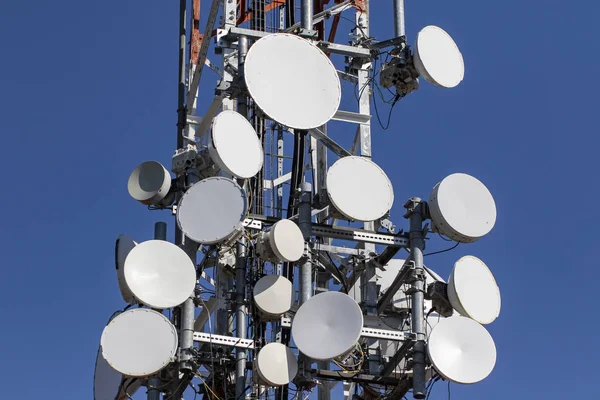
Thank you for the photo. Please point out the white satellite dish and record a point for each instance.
(327, 326)
(149, 183)
(123, 246)
(359, 189)
(461, 350)
(110, 384)
(273, 296)
(160, 274)
(276, 364)
(283, 242)
(309, 98)
(462, 208)
(212, 210)
(437, 58)
(234, 145)
(139, 342)
(472, 290)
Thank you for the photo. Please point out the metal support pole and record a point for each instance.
(305, 223)
(307, 15)
(417, 244)
(399, 28)
(187, 318)
(240, 317)
(160, 233)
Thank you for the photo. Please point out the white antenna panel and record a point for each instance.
(303, 91)
(359, 189)
(462, 208)
(160, 274)
(273, 295)
(461, 350)
(472, 290)
(234, 145)
(276, 364)
(327, 326)
(139, 342)
(212, 210)
(123, 246)
(283, 242)
(437, 57)
(149, 182)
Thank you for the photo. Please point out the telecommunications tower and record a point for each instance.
(264, 293)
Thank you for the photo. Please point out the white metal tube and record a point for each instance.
(399, 27)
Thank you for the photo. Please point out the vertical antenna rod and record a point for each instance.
(307, 15)
(417, 244)
(399, 28)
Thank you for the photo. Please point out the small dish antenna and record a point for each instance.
(149, 183)
(273, 296)
(123, 246)
(160, 274)
(234, 145)
(437, 57)
(307, 100)
(359, 189)
(462, 208)
(472, 290)
(461, 350)
(213, 210)
(283, 242)
(139, 342)
(327, 326)
(276, 364)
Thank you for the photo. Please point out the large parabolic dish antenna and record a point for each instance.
(160, 274)
(328, 325)
(212, 210)
(461, 350)
(472, 290)
(234, 145)
(276, 364)
(437, 57)
(139, 342)
(462, 208)
(303, 91)
(359, 189)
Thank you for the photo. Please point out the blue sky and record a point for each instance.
(88, 90)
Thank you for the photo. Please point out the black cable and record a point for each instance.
(442, 251)
(339, 274)
(448, 390)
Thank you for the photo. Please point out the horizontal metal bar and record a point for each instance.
(252, 223)
(325, 46)
(223, 340)
(339, 249)
(328, 142)
(235, 32)
(348, 116)
(356, 377)
(347, 77)
(358, 235)
(278, 181)
(385, 334)
(344, 49)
